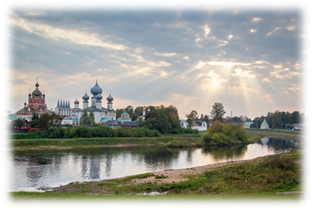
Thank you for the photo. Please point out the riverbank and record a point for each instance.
(282, 134)
(263, 177)
(165, 140)
(73, 143)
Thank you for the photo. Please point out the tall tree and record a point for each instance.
(84, 119)
(217, 112)
(269, 119)
(134, 117)
(276, 119)
(190, 118)
(19, 123)
(295, 117)
(138, 110)
(91, 118)
(206, 118)
(44, 121)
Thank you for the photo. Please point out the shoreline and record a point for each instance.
(167, 176)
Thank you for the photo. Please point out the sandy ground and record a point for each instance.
(179, 175)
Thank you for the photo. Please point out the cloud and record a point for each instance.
(166, 54)
(212, 79)
(243, 73)
(252, 30)
(273, 31)
(224, 64)
(57, 34)
(207, 30)
(256, 19)
(267, 80)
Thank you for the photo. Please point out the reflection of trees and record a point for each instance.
(221, 153)
(189, 155)
(95, 169)
(282, 145)
(84, 165)
(108, 165)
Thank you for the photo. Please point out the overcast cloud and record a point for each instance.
(248, 60)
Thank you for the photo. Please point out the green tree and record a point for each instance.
(276, 119)
(119, 111)
(269, 119)
(84, 119)
(138, 110)
(217, 112)
(190, 118)
(19, 123)
(163, 119)
(295, 117)
(134, 117)
(55, 119)
(91, 118)
(44, 121)
(206, 118)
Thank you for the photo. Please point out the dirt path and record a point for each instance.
(179, 175)
(275, 134)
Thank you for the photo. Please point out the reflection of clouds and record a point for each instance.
(40, 169)
(225, 153)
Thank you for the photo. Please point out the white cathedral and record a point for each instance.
(101, 115)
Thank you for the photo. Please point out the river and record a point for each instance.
(36, 169)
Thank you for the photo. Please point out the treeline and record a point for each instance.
(279, 119)
(160, 118)
(219, 134)
(165, 120)
(86, 132)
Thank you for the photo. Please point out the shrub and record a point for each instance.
(206, 137)
(278, 162)
(82, 131)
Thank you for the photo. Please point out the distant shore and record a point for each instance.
(164, 140)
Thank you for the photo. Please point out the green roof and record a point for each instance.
(11, 117)
(125, 113)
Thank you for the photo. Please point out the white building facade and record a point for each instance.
(100, 113)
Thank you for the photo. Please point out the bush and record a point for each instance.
(54, 132)
(206, 137)
(278, 162)
(82, 131)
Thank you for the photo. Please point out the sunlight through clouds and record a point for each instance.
(162, 57)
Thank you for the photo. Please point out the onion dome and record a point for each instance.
(99, 97)
(96, 89)
(109, 98)
(76, 102)
(37, 92)
(85, 97)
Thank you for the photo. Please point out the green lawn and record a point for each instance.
(45, 197)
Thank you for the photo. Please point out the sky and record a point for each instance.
(248, 59)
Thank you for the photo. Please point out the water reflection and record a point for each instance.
(221, 154)
(54, 168)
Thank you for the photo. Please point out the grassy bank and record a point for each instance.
(276, 131)
(170, 141)
(258, 178)
(77, 197)
(183, 140)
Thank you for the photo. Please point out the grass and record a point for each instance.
(260, 178)
(277, 131)
(76, 197)
(171, 141)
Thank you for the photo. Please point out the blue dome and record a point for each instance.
(85, 97)
(76, 102)
(109, 98)
(99, 97)
(96, 89)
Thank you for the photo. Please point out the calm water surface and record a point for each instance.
(32, 170)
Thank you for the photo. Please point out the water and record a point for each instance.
(32, 170)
